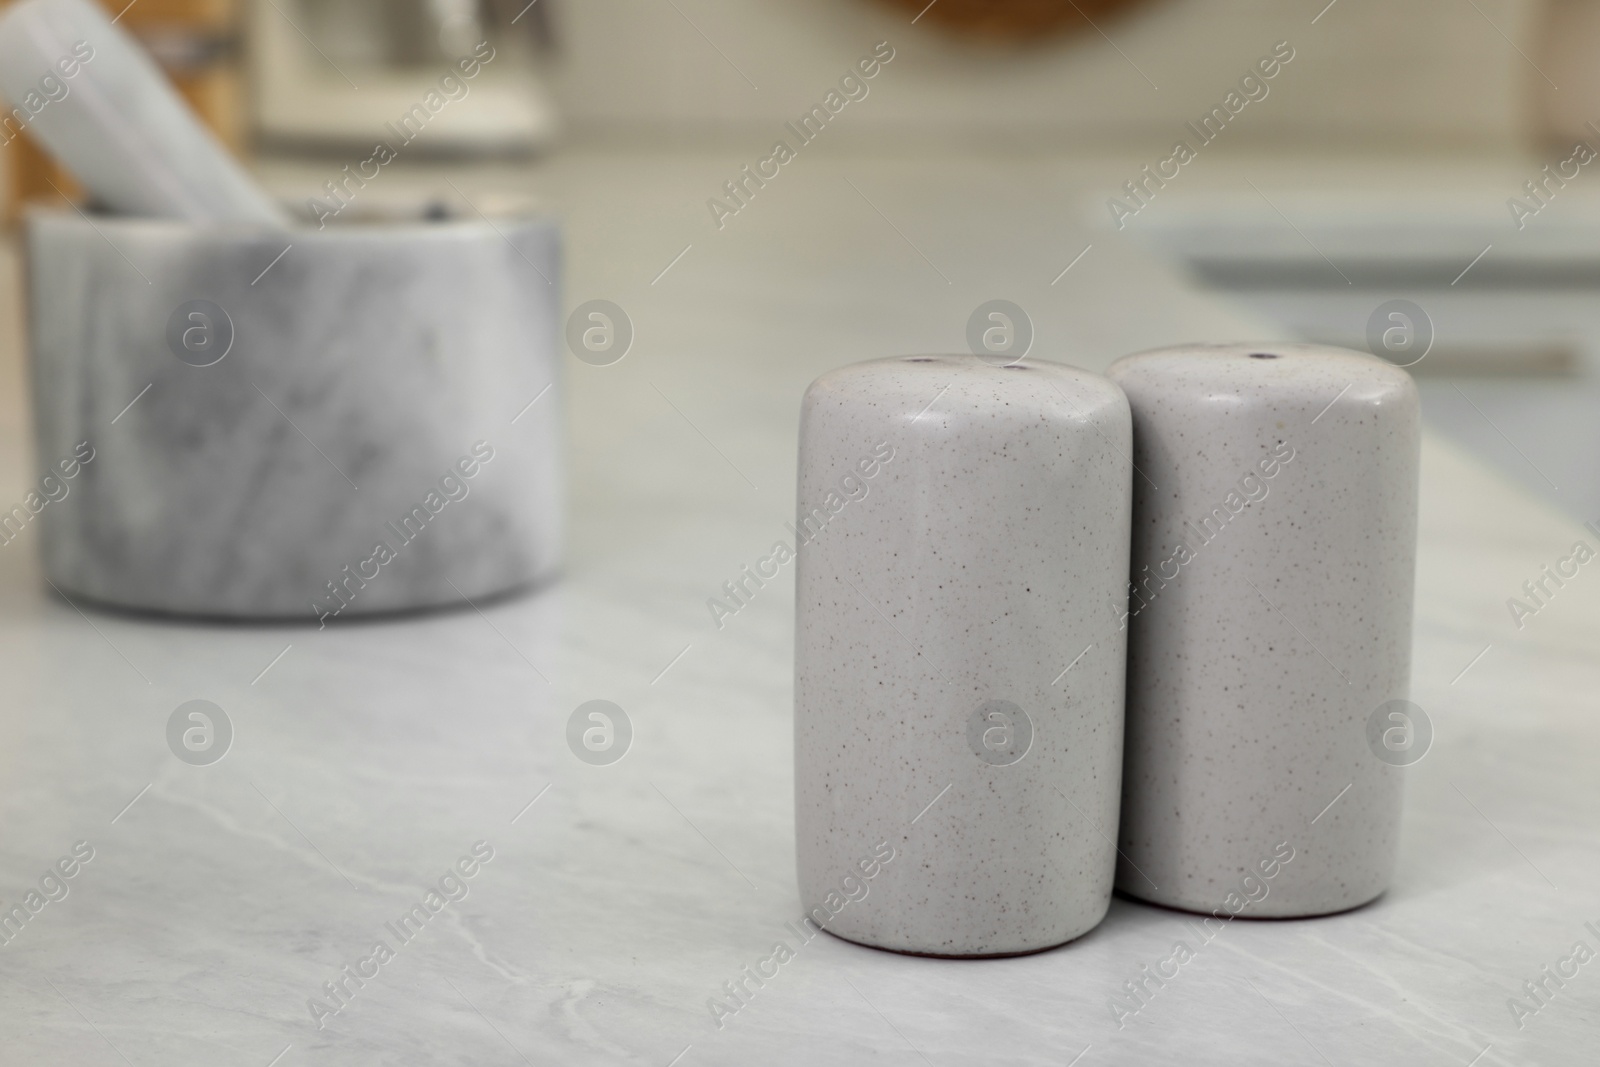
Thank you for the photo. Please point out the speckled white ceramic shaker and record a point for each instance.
(1275, 527)
(962, 528)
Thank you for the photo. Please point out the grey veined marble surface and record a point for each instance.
(620, 909)
(310, 424)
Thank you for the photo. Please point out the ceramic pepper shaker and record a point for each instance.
(1269, 617)
(958, 743)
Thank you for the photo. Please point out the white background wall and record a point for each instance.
(1394, 73)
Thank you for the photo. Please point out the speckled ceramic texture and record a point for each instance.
(973, 565)
(366, 363)
(1258, 649)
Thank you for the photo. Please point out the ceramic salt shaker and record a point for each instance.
(958, 688)
(1269, 620)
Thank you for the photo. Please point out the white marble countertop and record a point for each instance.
(370, 756)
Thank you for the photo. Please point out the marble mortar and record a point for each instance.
(266, 408)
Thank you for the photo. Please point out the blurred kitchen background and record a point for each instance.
(1384, 164)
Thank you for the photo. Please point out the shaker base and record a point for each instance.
(1251, 914)
(960, 956)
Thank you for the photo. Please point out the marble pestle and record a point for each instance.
(101, 106)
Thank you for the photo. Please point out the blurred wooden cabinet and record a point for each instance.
(197, 43)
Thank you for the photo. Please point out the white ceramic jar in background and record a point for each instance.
(962, 540)
(1275, 525)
